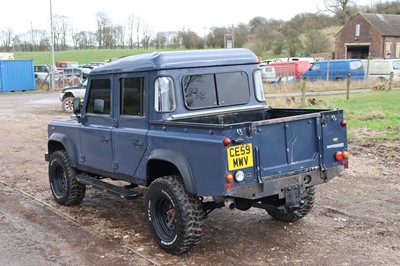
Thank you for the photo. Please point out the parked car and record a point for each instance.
(335, 70)
(42, 72)
(66, 64)
(380, 69)
(290, 70)
(72, 72)
(68, 94)
(268, 74)
(95, 64)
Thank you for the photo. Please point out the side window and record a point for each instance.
(99, 98)
(164, 95)
(356, 65)
(132, 97)
(315, 67)
(258, 86)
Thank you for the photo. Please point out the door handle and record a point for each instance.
(105, 139)
(138, 143)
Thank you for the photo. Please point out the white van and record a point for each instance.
(380, 69)
(268, 74)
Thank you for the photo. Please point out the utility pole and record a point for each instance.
(205, 34)
(233, 36)
(52, 48)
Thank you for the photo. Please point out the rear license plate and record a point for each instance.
(240, 156)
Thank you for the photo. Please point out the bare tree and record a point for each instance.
(6, 36)
(241, 33)
(146, 35)
(160, 40)
(138, 22)
(103, 27)
(264, 37)
(191, 40)
(342, 9)
(61, 26)
(316, 42)
(131, 30)
(119, 35)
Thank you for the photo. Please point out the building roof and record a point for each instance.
(385, 24)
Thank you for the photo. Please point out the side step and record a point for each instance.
(107, 187)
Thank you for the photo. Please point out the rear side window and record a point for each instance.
(211, 90)
(99, 98)
(356, 65)
(258, 86)
(132, 97)
(164, 95)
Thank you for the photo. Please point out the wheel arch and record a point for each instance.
(68, 95)
(58, 141)
(163, 162)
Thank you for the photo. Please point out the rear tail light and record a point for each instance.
(340, 155)
(227, 141)
(343, 123)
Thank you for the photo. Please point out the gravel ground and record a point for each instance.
(355, 220)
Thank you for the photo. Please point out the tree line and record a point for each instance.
(302, 35)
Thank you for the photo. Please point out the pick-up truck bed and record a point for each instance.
(270, 115)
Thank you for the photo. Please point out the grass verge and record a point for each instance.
(370, 115)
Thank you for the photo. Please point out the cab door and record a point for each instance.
(130, 132)
(96, 141)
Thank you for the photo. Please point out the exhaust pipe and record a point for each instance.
(230, 203)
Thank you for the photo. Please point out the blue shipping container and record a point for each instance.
(16, 75)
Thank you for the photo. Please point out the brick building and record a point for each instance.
(374, 35)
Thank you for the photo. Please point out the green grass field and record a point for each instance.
(378, 111)
(80, 56)
(369, 115)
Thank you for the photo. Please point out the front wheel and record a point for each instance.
(65, 188)
(68, 104)
(174, 216)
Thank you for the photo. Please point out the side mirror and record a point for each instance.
(77, 106)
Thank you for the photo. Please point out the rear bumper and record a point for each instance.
(277, 186)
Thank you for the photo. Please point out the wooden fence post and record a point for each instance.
(391, 80)
(348, 86)
(303, 93)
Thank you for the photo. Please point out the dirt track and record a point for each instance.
(355, 220)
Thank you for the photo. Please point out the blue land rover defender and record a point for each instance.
(193, 127)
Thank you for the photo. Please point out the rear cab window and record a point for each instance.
(214, 90)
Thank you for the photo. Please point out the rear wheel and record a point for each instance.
(293, 215)
(65, 188)
(174, 216)
(68, 105)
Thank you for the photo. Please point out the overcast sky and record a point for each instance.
(160, 15)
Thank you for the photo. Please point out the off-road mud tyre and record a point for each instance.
(65, 188)
(68, 105)
(174, 216)
(308, 195)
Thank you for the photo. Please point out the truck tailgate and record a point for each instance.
(285, 145)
